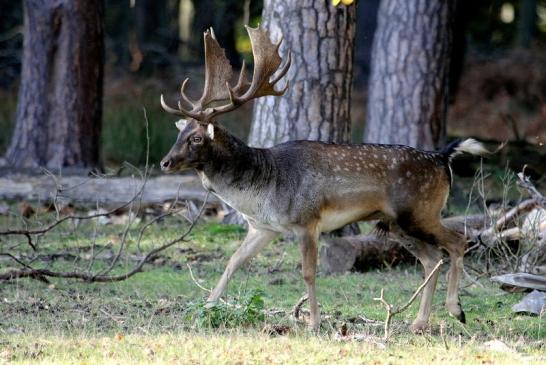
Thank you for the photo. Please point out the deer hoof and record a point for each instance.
(210, 304)
(460, 316)
(419, 327)
(456, 311)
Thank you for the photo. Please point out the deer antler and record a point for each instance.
(218, 71)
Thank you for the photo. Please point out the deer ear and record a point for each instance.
(181, 124)
(210, 130)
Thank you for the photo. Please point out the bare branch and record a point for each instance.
(523, 207)
(195, 280)
(526, 183)
(102, 276)
(392, 310)
(87, 277)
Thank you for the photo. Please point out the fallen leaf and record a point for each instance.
(26, 210)
(148, 352)
(276, 330)
(496, 345)
(119, 336)
(343, 329)
(6, 354)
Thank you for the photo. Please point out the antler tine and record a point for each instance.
(266, 62)
(183, 94)
(180, 111)
(242, 82)
(283, 72)
(217, 71)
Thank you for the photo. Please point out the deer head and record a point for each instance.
(197, 129)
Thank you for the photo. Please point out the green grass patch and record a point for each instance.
(160, 316)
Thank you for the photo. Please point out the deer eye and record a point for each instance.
(196, 139)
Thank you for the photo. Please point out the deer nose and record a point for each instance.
(166, 163)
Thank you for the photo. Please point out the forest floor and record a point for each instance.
(158, 316)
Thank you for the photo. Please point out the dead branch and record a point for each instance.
(296, 310)
(195, 280)
(392, 310)
(103, 276)
(526, 184)
(29, 272)
(523, 207)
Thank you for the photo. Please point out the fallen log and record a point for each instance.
(360, 253)
(103, 190)
(367, 252)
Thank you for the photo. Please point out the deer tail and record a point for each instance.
(459, 147)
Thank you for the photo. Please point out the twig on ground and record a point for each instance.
(195, 280)
(87, 277)
(104, 275)
(443, 336)
(277, 266)
(392, 310)
(296, 310)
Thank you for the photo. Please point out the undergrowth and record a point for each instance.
(246, 310)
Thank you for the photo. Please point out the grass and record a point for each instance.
(153, 317)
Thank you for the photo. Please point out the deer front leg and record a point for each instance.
(254, 242)
(309, 251)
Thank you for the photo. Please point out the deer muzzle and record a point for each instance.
(166, 163)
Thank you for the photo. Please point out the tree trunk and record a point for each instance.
(59, 107)
(316, 105)
(526, 22)
(154, 34)
(223, 18)
(408, 89)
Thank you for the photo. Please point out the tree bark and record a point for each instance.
(316, 105)
(526, 22)
(153, 34)
(408, 89)
(59, 107)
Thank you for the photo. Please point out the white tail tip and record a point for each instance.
(471, 146)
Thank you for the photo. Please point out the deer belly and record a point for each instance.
(331, 219)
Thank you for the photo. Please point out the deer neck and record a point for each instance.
(233, 167)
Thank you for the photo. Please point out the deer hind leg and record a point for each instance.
(455, 245)
(429, 256)
(309, 251)
(253, 243)
(422, 245)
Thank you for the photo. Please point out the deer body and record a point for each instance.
(331, 185)
(304, 188)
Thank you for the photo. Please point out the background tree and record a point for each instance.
(223, 19)
(153, 34)
(527, 22)
(316, 106)
(59, 107)
(408, 87)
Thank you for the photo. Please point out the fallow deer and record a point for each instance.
(303, 188)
